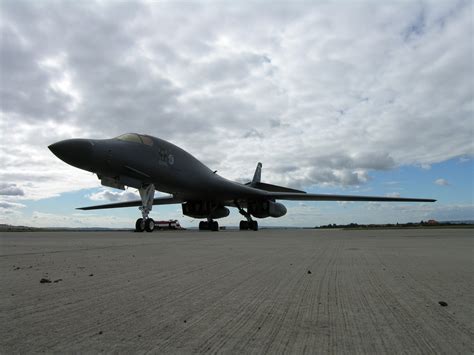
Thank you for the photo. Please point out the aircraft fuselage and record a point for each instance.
(148, 163)
(169, 168)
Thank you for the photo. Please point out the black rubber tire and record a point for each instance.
(214, 226)
(203, 226)
(244, 225)
(254, 225)
(139, 225)
(149, 225)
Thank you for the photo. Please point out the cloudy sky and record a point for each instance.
(359, 97)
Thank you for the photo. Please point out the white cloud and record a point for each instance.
(10, 205)
(41, 219)
(10, 190)
(321, 93)
(10, 212)
(441, 182)
(114, 196)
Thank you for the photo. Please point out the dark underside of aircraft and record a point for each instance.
(148, 163)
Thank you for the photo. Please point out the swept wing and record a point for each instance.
(165, 200)
(291, 196)
(326, 197)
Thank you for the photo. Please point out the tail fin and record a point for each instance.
(258, 174)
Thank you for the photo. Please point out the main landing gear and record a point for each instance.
(249, 223)
(209, 225)
(147, 194)
(246, 225)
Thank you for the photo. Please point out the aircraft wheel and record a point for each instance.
(254, 225)
(139, 225)
(149, 225)
(244, 225)
(203, 225)
(214, 226)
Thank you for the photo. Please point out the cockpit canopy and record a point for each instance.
(137, 138)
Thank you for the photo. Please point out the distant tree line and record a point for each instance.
(428, 223)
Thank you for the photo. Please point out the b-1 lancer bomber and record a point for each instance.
(148, 163)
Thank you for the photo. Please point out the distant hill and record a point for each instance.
(10, 228)
(467, 221)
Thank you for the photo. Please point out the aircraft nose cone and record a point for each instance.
(77, 152)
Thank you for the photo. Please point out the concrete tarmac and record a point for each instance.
(271, 291)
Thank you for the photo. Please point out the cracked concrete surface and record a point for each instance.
(271, 291)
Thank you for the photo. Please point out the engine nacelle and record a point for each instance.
(204, 209)
(263, 209)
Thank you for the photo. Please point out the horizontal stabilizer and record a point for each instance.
(274, 188)
(257, 184)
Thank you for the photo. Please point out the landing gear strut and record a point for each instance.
(147, 194)
(209, 225)
(249, 223)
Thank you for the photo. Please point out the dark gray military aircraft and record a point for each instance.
(148, 164)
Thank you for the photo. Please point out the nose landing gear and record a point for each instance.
(147, 194)
(147, 224)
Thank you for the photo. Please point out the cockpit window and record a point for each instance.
(132, 137)
(147, 140)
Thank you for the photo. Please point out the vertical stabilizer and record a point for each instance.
(258, 174)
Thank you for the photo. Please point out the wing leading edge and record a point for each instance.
(165, 200)
(325, 197)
